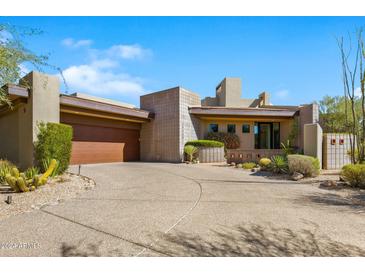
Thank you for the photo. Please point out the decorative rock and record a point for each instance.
(233, 164)
(255, 169)
(328, 183)
(297, 176)
(239, 166)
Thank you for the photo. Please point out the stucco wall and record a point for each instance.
(20, 124)
(308, 114)
(9, 131)
(313, 137)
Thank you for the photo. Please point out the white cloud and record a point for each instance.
(128, 51)
(284, 93)
(101, 75)
(99, 80)
(71, 43)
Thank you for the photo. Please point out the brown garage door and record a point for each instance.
(96, 144)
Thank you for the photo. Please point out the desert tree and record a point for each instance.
(14, 55)
(352, 70)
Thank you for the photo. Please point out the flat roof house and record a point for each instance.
(110, 131)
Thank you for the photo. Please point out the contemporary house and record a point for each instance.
(110, 131)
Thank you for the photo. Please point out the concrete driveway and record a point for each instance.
(159, 209)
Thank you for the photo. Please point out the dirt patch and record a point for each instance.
(61, 188)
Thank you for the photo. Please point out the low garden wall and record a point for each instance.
(246, 155)
(211, 154)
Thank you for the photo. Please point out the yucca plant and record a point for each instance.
(190, 151)
(279, 164)
(287, 148)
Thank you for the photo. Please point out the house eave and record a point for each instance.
(67, 101)
(242, 112)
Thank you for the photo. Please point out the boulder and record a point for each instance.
(296, 176)
(328, 183)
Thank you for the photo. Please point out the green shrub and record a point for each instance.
(5, 168)
(354, 175)
(230, 140)
(204, 143)
(264, 162)
(54, 142)
(279, 164)
(190, 151)
(306, 165)
(249, 165)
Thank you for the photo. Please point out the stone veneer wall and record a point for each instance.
(189, 124)
(164, 137)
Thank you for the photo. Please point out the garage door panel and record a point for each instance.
(96, 152)
(95, 144)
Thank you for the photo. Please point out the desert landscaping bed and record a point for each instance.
(61, 188)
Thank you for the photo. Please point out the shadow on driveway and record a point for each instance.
(242, 240)
(352, 201)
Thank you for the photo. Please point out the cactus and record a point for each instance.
(49, 171)
(15, 172)
(21, 184)
(11, 180)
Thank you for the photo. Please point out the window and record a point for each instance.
(276, 135)
(213, 128)
(267, 135)
(231, 128)
(245, 128)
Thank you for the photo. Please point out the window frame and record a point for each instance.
(234, 128)
(274, 142)
(210, 129)
(249, 128)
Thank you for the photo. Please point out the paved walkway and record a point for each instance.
(158, 209)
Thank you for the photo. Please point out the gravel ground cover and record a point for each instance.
(56, 190)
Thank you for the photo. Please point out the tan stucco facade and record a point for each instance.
(21, 123)
(229, 92)
(247, 140)
(167, 119)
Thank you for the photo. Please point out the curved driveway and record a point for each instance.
(159, 209)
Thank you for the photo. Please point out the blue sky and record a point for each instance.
(296, 59)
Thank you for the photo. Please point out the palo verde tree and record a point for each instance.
(14, 54)
(353, 75)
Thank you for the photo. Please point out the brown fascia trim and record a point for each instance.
(73, 101)
(242, 111)
(16, 91)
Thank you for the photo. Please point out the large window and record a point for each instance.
(231, 128)
(213, 128)
(267, 135)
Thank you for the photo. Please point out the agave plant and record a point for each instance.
(279, 164)
(190, 151)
